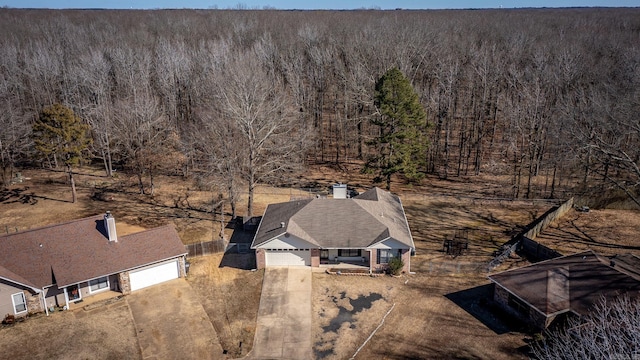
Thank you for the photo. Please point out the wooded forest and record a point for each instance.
(549, 98)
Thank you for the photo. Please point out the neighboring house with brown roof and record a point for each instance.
(367, 230)
(64, 263)
(571, 284)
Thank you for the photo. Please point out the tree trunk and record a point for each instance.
(553, 182)
(109, 162)
(73, 184)
(252, 186)
(151, 182)
(140, 183)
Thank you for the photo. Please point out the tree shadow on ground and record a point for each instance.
(240, 255)
(20, 195)
(243, 234)
(478, 302)
(233, 259)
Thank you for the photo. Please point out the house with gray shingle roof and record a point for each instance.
(366, 230)
(56, 265)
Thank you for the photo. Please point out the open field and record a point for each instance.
(440, 312)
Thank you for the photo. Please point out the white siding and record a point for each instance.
(6, 304)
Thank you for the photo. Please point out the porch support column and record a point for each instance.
(66, 298)
(372, 259)
(44, 301)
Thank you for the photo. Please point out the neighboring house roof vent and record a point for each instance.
(281, 224)
(110, 226)
(340, 191)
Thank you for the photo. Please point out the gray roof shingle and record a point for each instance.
(338, 223)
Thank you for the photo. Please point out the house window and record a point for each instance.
(98, 284)
(384, 255)
(518, 304)
(19, 303)
(349, 252)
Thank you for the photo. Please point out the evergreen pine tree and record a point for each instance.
(401, 144)
(60, 133)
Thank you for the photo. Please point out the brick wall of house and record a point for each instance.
(406, 258)
(260, 259)
(373, 259)
(405, 255)
(501, 296)
(315, 257)
(373, 262)
(539, 320)
(532, 317)
(125, 283)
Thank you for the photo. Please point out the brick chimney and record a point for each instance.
(110, 226)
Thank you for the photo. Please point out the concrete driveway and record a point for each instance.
(172, 324)
(283, 328)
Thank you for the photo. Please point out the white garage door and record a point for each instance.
(288, 258)
(153, 275)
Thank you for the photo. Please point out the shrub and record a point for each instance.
(396, 265)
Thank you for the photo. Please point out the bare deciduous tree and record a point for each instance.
(259, 107)
(146, 137)
(611, 331)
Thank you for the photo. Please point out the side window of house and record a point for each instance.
(384, 255)
(19, 303)
(99, 284)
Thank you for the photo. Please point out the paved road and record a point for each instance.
(283, 329)
(172, 324)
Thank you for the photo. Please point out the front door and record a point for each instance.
(74, 292)
(324, 255)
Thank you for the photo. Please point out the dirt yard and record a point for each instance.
(106, 332)
(431, 317)
(607, 232)
(230, 294)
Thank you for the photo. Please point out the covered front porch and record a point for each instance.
(79, 295)
(95, 299)
(345, 258)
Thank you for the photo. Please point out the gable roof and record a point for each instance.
(573, 282)
(79, 250)
(358, 222)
